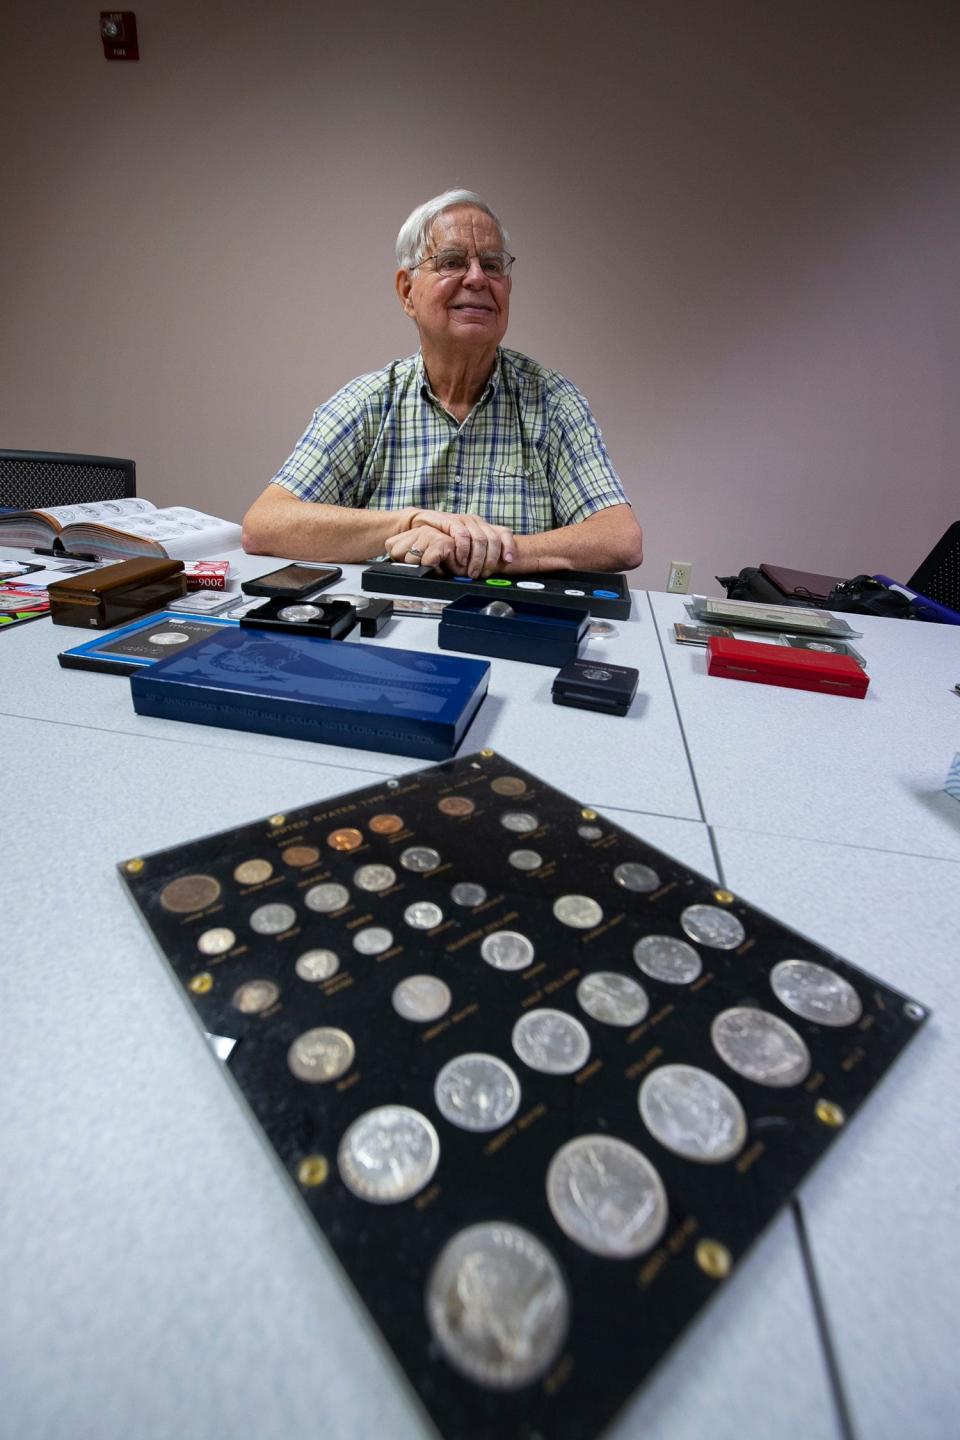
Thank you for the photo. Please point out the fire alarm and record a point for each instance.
(118, 31)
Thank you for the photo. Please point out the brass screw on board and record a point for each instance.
(588, 815)
(829, 1113)
(723, 897)
(487, 754)
(202, 984)
(133, 867)
(277, 820)
(313, 1170)
(714, 1259)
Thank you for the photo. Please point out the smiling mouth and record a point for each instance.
(487, 309)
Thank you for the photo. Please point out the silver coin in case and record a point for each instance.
(507, 950)
(421, 998)
(316, 965)
(814, 992)
(760, 1046)
(580, 912)
(321, 1055)
(273, 919)
(551, 1041)
(388, 1154)
(612, 998)
(327, 897)
(607, 1197)
(709, 925)
(692, 1113)
(477, 1092)
(664, 957)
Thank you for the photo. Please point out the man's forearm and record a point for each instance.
(279, 524)
(609, 540)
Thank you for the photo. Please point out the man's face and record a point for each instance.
(469, 310)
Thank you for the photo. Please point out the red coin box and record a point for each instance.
(783, 665)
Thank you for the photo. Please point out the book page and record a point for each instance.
(183, 533)
(104, 512)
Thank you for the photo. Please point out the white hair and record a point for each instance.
(415, 231)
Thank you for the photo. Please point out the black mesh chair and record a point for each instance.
(939, 575)
(37, 479)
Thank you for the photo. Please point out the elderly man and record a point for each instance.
(466, 456)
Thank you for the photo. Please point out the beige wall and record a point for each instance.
(736, 222)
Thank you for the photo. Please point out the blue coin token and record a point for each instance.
(606, 594)
(462, 579)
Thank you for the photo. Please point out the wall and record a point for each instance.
(737, 230)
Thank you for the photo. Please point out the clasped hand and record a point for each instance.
(462, 544)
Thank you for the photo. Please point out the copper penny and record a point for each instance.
(344, 839)
(508, 785)
(300, 855)
(190, 892)
(385, 824)
(456, 805)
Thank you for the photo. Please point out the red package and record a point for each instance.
(782, 665)
(206, 574)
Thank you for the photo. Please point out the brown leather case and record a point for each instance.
(116, 593)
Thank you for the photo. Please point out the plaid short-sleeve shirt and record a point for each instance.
(529, 455)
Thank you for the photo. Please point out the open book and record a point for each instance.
(120, 528)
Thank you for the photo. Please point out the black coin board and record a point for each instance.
(600, 593)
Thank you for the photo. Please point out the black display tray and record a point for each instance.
(624, 1313)
(411, 580)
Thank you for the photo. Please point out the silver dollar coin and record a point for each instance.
(388, 1154)
(612, 998)
(314, 965)
(298, 613)
(521, 822)
(634, 876)
(525, 859)
(815, 992)
(466, 893)
(760, 1046)
(420, 858)
(423, 915)
(664, 957)
(709, 925)
(375, 878)
(580, 912)
(551, 1041)
(169, 637)
(607, 1197)
(693, 1113)
(497, 1305)
(507, 950)
(422, 998)
(272, 919)
(321, 1055)
(327, 898)
(477, 1092)
(373, 940)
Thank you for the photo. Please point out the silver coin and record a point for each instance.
(634, 876)
(760, 1046)
(420, 858)
(374, 878)
(612, 998)
(299, 613)
(525, 859)
(693, 1113)
(497, 1305)
(507, 950)
(327, 897)
(604, 628)
(255, 996)
(272, 919)
(580, 912)
(521, 822)
(815, 992)
(321, 1055)
(373, 940)
(709, 925)
(551, 1041)
(664, 957)
(216, 941)
(607, 1197)
(590, 832)
(388, 1154)
(423, 915)
(169, 637)
(477, 1092)
(467, 894)
(421, 998)
(316, 965)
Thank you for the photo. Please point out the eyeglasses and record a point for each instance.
(495, 264)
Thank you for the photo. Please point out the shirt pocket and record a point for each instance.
(516, 497)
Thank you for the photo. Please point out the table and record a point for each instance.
(159, 1277)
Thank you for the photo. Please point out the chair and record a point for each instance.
(938, 577)
(37, 479)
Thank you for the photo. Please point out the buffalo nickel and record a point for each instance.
(760, 1046)
(580, 912)
(693, 1113)
(521, 822)
(477, 1092)
(551, 1041)
(607, 1197)
(321, 1055)
(709, 925)
(273, 919)
(327, 897)
(664, 957)
(420, 858)
(421, 998)
(507, 950)
(375, 878)
(497, 1305)
(612, 998)
(815, 992)
(388, 1154)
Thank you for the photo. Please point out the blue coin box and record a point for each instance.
(369, 697)
(539, 634)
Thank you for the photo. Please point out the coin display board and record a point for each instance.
(539, 1084)
(600, 592)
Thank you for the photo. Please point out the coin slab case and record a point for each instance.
(555, 1344)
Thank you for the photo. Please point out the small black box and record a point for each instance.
(595, 685)
(539, 634)
(330, 619)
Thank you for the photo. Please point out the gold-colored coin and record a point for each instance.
(723, 897)
(385, 824)
(829, 1113)
(201, 984)
(344, 839)
(300, 855)
(190, 892)
(714, 1259)
(508, 785)
(252, 872)
(456, 805)
(313, 1170)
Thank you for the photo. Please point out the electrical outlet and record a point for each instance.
(678, 580)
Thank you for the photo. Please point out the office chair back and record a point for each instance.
(939, 575)
(37, 479)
